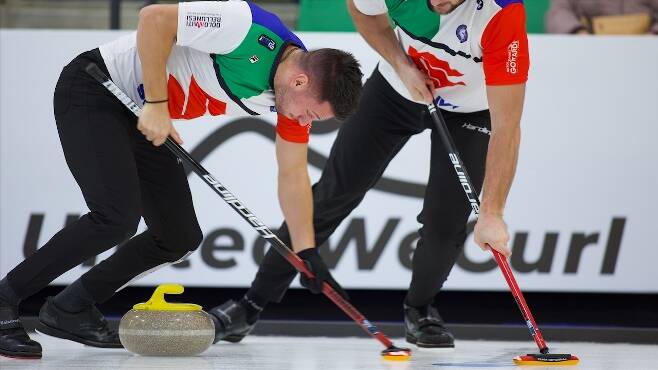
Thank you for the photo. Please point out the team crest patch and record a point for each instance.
(253, 59)
(267, 42)
(462, 33)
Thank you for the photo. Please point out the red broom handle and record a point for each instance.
(520, 301)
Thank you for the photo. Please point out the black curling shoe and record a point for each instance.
(87, 326)
(231, 322)
(425, 328)
(14, 341)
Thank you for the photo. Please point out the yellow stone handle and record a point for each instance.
(158, 303)
(163, 289)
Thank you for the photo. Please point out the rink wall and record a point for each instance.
(581, 211)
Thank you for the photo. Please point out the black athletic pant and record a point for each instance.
(365, 144)
(123, 177)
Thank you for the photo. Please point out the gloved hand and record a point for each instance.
(317, 266)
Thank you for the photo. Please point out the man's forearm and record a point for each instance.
(377, 31)
(506, 106)
(296, 200)
(155, 37)
(501, 162)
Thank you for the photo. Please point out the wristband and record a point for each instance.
(156, 101)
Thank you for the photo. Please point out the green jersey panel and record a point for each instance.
(246, 70)
(414, 16)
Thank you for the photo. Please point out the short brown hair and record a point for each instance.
(338, 77)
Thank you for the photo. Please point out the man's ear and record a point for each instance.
(300, 81)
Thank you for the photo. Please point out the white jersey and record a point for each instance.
(481, 42)
(223, 62)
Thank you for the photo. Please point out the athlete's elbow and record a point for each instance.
(158, 15)
(150, 14)
(159, 18)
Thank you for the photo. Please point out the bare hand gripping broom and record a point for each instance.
(542, 358)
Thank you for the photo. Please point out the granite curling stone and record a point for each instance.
(160, 328)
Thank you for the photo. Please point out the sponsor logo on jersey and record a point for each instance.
(267, 42)
(253, 59)
(480, 4)
(203, 20)
(512, 54)
(438, 70)
(442, 103)
(462, 33)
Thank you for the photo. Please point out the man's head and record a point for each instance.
(445, 6)
(317, 85)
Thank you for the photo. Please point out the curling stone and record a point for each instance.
(160, 328)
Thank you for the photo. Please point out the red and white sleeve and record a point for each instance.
(291, 130)
(505, 54)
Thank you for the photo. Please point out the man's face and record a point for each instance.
(294, 99)
(445, 6)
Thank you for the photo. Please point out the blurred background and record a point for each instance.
(301, 15)
(587, 170)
